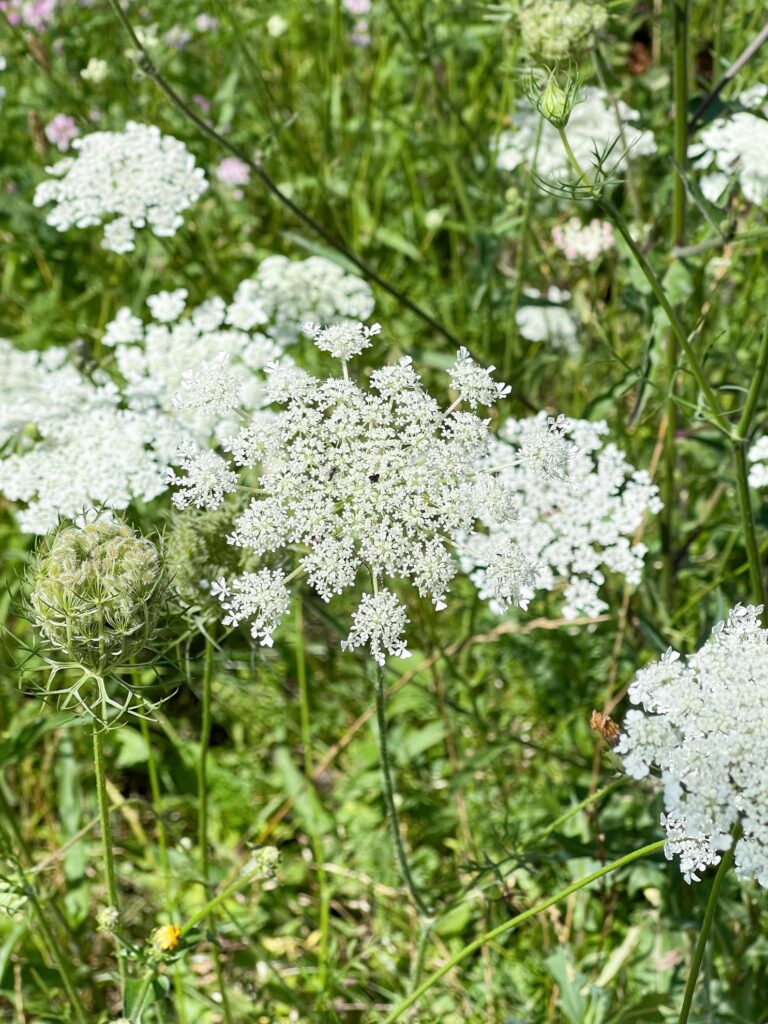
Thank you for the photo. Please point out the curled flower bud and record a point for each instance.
(107, 919)
(556, 103)
(264, 863)
(97, 592)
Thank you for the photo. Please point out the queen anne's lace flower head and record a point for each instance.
(587, 242)
(315, 289)
(559, 27)
(703, 725)
(175, 376)
(596, 126)
(734, 147)
(131, 179)
(579, 503)
(355, 481)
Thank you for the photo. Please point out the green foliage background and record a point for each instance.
(490, 730)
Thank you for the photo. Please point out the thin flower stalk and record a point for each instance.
(514, 922)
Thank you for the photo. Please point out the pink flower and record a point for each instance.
(60, 131)
(357, 7)
(361, 35)
(206, 23)
(232, 172)
(35, 14)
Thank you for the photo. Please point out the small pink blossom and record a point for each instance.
(361, 35)
(232, 172)
(35, 14)
(357, 7)
(61, 130)
(206, 23)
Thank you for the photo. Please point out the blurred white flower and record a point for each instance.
(734, 147)
(595, 126)
(545, 318)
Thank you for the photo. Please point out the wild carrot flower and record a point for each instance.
(701, 722)
(579, 503)
(733, 148)
(131, 179)
(357, 482)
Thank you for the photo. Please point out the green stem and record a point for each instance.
(582, 805)
(141, 995)
(706, 927)
(165, 867)
(680, 150)
(317, 840)
(108, 855)
(490, 936)
(202, 765)
(58, 957)
(389, 796)
(677, 326)
(756, 579)
(656, 287)
(217, 900)
(202, 821)
(521, 260)
(740, 443)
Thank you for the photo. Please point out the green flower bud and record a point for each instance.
(263, 863)
(196, 552)
(97, 593)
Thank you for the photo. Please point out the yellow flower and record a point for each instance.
(166, 938)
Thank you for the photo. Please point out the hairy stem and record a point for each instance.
(317, 840)
(519, 919)
(389, 796)
(107, 852)
(202, 819)
(680, 149)
(740, 442)
(706, 927)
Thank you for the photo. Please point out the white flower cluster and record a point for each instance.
(584, 241)
(758, 456)
(703, 726)
(293, 292)
(174, 377)
(596, 126)
(546, 318)
(132, 179)
(195, 367)
(555, 29)
(734, 147)
(376, 481)
(67, 446)
(579, 501)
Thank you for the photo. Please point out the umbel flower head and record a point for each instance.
(703, 725)
(355, 483)
(580, 503)
(97, 592)
(136, 178)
